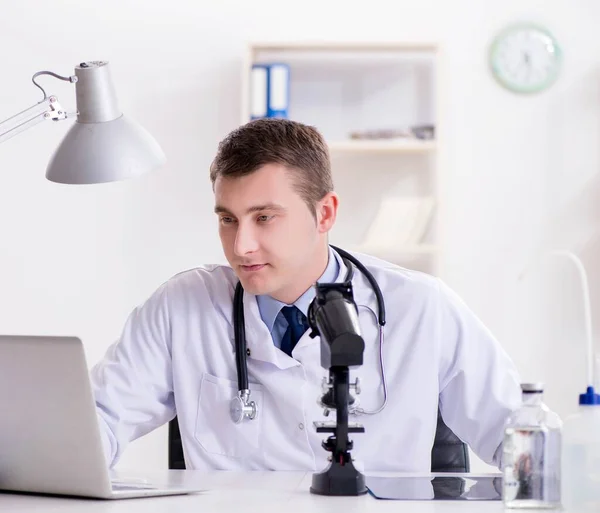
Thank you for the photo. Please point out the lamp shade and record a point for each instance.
(104, 152)
(102, 145)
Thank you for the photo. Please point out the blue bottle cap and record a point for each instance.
(589, 397)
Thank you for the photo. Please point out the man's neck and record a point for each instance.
(291, 294)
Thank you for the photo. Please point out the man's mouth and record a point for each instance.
(252, 268)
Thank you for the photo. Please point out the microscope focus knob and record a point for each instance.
(326, 385)
(356, 386)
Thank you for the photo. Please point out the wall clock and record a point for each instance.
(525, 58)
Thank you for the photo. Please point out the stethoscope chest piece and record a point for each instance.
(241, 408)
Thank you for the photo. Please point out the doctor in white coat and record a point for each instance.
(275, 205)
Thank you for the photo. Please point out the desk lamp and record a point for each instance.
(102, 145)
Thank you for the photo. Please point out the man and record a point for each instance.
(275, 205)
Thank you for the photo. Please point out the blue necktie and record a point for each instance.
(297, 325)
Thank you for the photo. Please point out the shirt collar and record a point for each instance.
(269, 307)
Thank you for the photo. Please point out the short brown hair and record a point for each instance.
(301, 148)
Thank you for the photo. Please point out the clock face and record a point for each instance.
(525, 58)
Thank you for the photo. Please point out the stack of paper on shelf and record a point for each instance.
(400, 222)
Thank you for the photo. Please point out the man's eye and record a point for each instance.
(264, 219)
(227, 220)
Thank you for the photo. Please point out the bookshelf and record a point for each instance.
(350, 91)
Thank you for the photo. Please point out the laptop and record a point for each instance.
(50, 440)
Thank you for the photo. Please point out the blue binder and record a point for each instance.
(269, 91)
(279, 90)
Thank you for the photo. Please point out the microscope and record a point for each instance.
(333, 316)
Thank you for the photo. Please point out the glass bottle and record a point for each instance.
(531, 453)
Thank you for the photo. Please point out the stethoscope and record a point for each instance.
(241, 407)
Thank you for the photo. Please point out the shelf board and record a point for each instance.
(350, 46)
(395, 254)
(383, 146)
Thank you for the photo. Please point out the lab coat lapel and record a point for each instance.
(258, 339)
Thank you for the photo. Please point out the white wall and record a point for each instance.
(77, 260)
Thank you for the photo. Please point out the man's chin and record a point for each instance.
(256, 287)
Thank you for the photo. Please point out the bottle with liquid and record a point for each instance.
(581, 456)
(531, 454)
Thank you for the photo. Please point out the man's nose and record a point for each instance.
(245, 240)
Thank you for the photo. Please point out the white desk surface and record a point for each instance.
(237, 492)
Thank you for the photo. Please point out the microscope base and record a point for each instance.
(339, 480)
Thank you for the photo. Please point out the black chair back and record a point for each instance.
(176, 459)
(449, 453)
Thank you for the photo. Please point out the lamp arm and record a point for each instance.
(47, 109)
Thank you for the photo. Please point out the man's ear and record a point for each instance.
(326, 210)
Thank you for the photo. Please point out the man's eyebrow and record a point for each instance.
(221, 210)
(255, 208)
(266, 206)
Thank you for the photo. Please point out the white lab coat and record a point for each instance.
(176, 356)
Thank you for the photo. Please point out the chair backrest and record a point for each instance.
(176, 459)
(449, 453)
